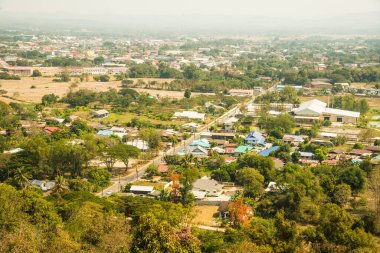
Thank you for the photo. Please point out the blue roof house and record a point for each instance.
(242, 149)
(267, 151)
(201, 143)
(255, 138)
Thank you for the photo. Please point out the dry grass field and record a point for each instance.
(205, 215)
(33, 89)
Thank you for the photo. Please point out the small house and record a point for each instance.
(267, 151)
(255, 138)
(101, 114)
(242, 150)
(141, 190)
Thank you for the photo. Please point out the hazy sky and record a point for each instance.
(278, 8)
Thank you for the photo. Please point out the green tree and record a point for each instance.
(354, 177)
(60, 184)
(252, 181)
(187, 93)
(125, 152)
(320, 155)
(152, 137)
(21, 176)
(49, 99)
(341, 195)
(99, 176)
(36, 73)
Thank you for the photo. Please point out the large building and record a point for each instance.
(316, 110)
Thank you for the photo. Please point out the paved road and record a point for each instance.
(119, 183)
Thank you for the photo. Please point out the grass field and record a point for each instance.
(127, 117)
(157, 186)
(205, 215)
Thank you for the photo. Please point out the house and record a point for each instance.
(189, 115)
(306, 155)
(218, 150)
(242, 149)
(360, 152)
(308, 162)
(20, 71)
(267, 151)
(101, 114)
(241, 93)
(192, 127)
(316, 110)
(201, 143)
(293, 139)
(373, 149)
(141, 190)
(45, 186)
(325, 135)
(206, 187)
(229, 124)
(219, 138)
(255, 138)
(51, 129)
(198, 151)
(229, 159)
(119, 131)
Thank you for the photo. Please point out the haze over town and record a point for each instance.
(212, 16)
(173, 126)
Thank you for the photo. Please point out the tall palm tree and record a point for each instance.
(22, 176)
(60, 184)
(187, 160)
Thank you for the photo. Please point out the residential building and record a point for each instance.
(101, 114)
(141, 190)
(242, 150)
(255, 138)
(267, 151)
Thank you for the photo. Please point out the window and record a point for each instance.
(327, 118)
(339, 119)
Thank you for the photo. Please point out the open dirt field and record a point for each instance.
(22, 90)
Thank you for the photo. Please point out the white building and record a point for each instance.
(189, 115)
